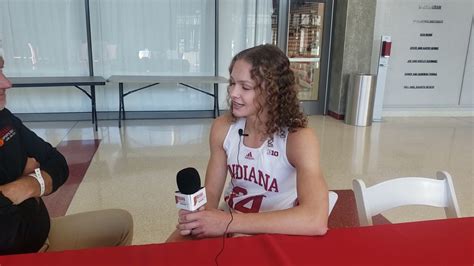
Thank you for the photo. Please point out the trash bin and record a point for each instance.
(360, 100)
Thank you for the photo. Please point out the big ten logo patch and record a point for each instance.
(272, 152)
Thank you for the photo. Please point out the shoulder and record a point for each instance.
(224, 120)
(7, 115)
(302, 144)
(222, 123)
(219, 128)
(301, 136)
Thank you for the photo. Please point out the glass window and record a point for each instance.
(305, 28)
(158, 37)
(44, 38)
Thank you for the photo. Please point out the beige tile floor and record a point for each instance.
(135, 167)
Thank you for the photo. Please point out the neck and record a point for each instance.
(255, 127)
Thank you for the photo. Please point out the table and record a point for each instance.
(155, 80)
(438, 242)
(64, 82)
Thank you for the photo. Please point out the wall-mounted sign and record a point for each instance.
(429, 52)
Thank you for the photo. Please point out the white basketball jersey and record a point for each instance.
(262, 178)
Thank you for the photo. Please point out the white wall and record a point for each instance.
(405, 21)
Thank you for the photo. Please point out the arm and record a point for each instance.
(52, 163)
(308, 218)
(26, 187)
(217, 166)
(216, 169)
(41, 154)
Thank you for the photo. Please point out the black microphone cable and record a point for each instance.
(241, 134)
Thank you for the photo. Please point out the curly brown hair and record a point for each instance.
(275, 81)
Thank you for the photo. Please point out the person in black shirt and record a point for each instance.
(31, 168)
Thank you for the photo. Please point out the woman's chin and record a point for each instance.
(238, 113)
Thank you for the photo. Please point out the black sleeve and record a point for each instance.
(51, 161)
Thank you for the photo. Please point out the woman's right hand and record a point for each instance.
(182, 220)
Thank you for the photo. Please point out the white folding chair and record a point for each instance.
(405, 191)
(332, 200)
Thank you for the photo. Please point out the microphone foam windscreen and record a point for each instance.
(188, 181)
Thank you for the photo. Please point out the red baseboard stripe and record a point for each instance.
(336, 115)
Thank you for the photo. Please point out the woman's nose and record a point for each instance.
(233, 91)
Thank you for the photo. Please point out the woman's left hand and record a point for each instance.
(205, 223)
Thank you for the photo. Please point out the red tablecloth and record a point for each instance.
(438, 242)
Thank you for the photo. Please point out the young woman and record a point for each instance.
(277, 185)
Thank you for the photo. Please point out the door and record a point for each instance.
(304, 32)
